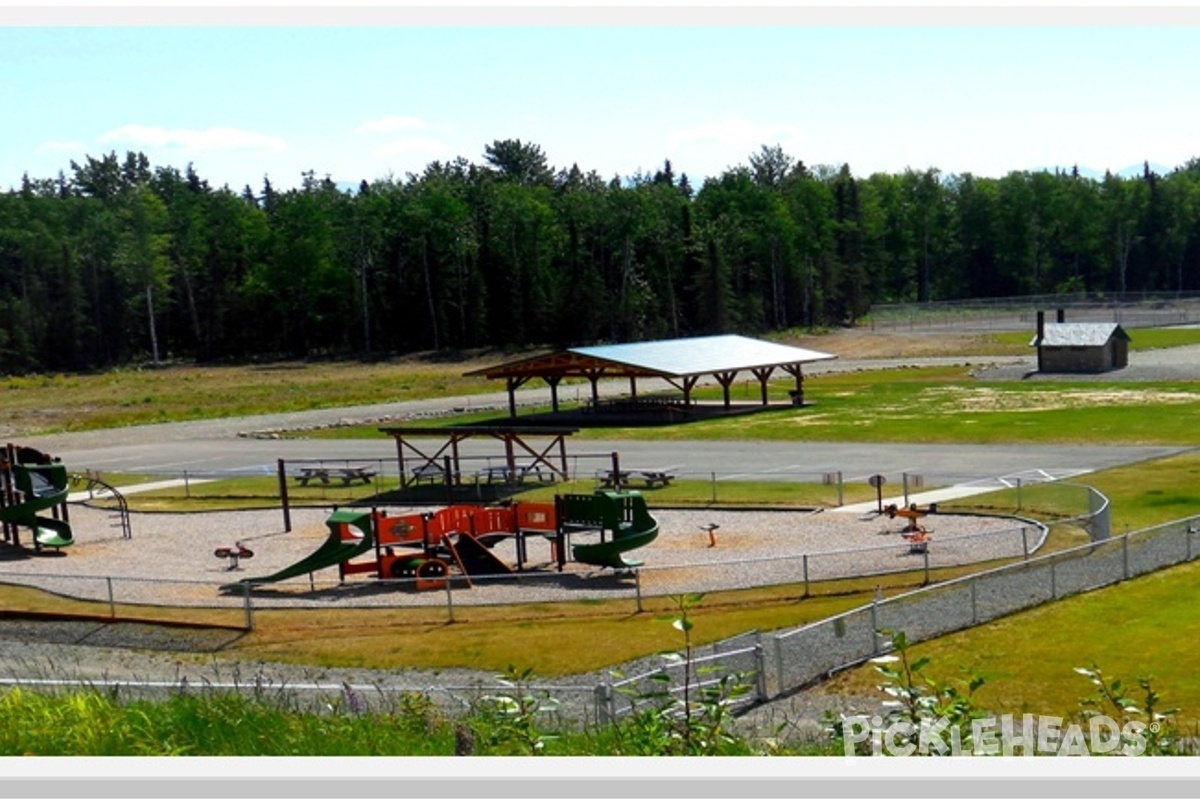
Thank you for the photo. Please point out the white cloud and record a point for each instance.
(207, 139)
(393, 123)
(735, 131)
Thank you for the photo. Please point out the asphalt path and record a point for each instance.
(726, 460)
(239, 446)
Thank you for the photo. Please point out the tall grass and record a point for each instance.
(191, 723)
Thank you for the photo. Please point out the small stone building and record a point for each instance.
(1080, 346)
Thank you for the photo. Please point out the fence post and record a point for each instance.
(925, 556)
(804, 562)
(974, 602)
(600, 696)
(112, 606)
(1053, 580)
(1024, 543)
(1018, 494)
(875, 622)
(904, 480)
(1125, 554)
(1191, 531)
(187, 486)
(714, 487)
(249, 607)
(779, 664)
(449, 601)
(841, 490)
(283, 497)
(760, 668)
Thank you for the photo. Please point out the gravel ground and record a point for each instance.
(1168, 364)
(170, 559)
(170, 556)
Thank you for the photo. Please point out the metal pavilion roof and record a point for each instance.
(673, 358)
(1078, 334)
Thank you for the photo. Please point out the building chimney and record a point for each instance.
(1041, 332)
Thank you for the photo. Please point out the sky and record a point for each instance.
(610, 92)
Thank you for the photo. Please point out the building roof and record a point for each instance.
(1078, 334)
(668, 358)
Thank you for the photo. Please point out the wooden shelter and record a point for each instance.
(679, 362)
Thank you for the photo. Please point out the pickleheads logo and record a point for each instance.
(1006, 735)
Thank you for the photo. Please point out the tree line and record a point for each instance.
(119, 262)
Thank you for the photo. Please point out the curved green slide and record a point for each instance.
(333, 551)
(625, 515)
(42, 486)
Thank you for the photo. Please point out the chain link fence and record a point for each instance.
(1131, 309)
(807, 654)
(779, 664)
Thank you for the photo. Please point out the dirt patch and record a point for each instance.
(858, 343)
(964, 399)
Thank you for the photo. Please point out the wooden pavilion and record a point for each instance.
(679, 362)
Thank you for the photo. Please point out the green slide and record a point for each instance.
(334, 551)
(42, 486)
(625, 516)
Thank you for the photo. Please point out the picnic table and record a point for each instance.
(503, 474)
(431, 472)
(347, 475)
(651, 476)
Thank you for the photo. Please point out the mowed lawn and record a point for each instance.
(949, 405)
(1141, 628)
(35, 404)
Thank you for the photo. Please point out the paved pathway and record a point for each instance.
(224, 446)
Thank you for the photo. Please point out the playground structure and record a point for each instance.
(427, 547)
(31, 482)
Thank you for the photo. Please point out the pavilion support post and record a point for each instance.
(457, 468)
(689, 383)
(510, 456)
(553, 381)
(726, 380)
(593, 376)
(763, 374)
(400, 460)
(512, 384)
(796, 371)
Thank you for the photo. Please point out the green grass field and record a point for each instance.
(1140, 628)
(945, 404)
